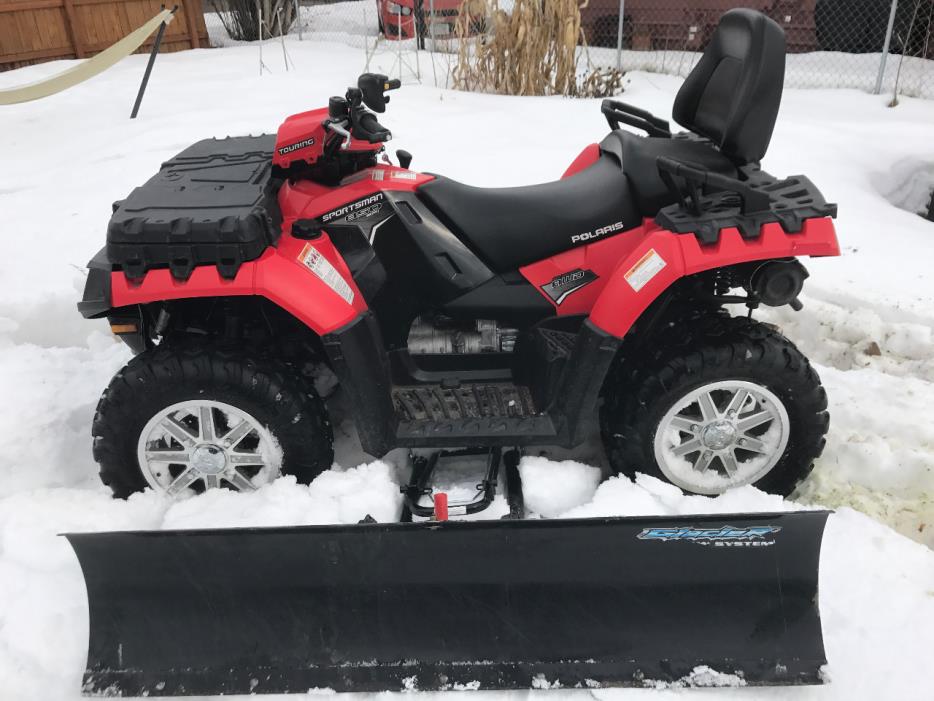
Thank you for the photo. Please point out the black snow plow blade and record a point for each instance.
(492, 604)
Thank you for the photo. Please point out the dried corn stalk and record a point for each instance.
(532, 50)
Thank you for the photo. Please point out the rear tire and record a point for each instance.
(288, 416)
(725, 357)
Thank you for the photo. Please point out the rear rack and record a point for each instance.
(709, 202)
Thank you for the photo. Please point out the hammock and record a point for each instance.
(87, 68)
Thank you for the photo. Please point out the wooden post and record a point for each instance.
(74, 31)
(191, 18)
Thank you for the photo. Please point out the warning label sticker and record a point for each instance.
(312, 259)
(644, 270)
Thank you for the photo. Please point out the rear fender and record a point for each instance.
(584, 160)
(281, 275)
(663, 257)
(654, 259)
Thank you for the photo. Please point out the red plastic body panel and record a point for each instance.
(618, 296)
(301, 138)
(278, 275)
(306, 199)
(585, 159)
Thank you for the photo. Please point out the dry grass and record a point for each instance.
(531, 51)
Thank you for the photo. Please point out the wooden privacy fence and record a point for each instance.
(32, 31)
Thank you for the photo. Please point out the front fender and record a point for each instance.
(309, 291)
(663, 257)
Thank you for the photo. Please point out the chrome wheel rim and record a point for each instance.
(202, 444)
(721, 435)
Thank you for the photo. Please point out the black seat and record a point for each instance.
(512, 226)
(730, 100)
(639, 155)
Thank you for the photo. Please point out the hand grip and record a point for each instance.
(370, 129)
(616, 112)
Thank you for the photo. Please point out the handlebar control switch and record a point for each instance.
(373, 86)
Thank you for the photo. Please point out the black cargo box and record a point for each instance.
(212, 204)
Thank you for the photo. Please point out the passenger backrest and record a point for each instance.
(733, 94)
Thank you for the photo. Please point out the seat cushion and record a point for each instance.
(513, 226)
(639, 156)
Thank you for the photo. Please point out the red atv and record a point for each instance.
(462, 316)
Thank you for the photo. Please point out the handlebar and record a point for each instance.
(363, 126)
(368, 129)
(348, 116)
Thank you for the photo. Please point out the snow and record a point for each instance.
(909, 186)
(867, 325)
(700, 676)
(550, 488)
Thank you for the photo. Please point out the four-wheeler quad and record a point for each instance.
(455, 315)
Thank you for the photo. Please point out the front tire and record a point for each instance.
(183, 420)
(730, 403)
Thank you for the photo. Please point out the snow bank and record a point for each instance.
(551, 488)
(909, 185)
(337, 496)
(875, 586)
(878, 367)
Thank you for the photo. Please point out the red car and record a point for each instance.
(405, 19)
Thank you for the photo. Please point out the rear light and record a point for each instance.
(123, 328)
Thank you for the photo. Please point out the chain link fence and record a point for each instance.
(831, 43)
(872, 45)
(353, 22)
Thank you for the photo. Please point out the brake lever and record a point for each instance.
(340, 131)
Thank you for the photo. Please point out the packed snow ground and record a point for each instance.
(867, 324)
